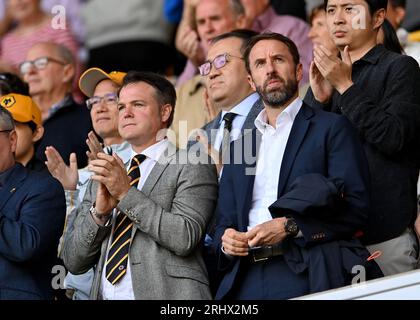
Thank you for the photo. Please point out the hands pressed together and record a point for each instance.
(237, 243)
(328, 72)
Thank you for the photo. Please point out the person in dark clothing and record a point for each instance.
(28, 126)
(49, 70)
(32, 211)
(377, 90)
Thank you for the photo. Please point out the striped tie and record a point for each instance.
(116, 265)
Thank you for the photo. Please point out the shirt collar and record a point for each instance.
(243, 107)
(68, 100)
(374, 54)
(4, 176)
(263, 20)
(154, 151)
(261, 122)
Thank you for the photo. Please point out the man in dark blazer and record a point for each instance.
(224, 72)
(32, 211)
(290, 141)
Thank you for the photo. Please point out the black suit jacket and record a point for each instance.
(32, 212)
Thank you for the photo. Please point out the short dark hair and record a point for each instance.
(164, 90)
(10, 82)
(271, 36)
(398, 3)
(243, 34)
(374, 5)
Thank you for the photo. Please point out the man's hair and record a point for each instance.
(237, 7)
(271, 36)
(374, 5)
(243, 34)
(398, 3)
(164, 90)
(6, 119)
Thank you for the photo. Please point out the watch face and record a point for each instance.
(291, 227)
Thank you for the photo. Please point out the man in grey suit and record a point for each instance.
(229, 90)
(143, 228)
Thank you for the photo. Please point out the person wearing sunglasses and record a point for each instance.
(49, 70)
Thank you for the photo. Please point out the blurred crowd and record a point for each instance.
(74, 79)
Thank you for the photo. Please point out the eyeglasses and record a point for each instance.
(39, 64)
(109, 99)
(9, 130)
(218, 62)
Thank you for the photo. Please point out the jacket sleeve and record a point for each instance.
(346, 162)
(82, 243)
(393, 123)
(39, 225)
(181, 229)
(226, 216)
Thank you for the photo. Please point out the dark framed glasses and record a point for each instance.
(108, 99)
(39, 64)
(218, 62)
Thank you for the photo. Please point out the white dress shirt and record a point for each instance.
(270, 157)
(123, 290)
(242, 109)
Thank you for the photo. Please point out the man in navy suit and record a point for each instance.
(295, 192)
(32, 211)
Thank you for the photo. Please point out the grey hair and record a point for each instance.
(237, 7)
(65, 54)
(6, 119)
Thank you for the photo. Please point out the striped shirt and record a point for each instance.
(15, 46)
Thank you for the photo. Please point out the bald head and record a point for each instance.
(53, 78)
(215, 17)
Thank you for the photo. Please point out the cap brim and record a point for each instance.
(89, 79)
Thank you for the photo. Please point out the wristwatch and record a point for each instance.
(291, 228)
(95, 213)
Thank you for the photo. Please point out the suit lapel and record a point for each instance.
(247, 175)
(158, 169)
(211, 129)
(155, 174)
(257, 107)
(296, 137)
(13, 183)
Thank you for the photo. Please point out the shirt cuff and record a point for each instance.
(227, 255)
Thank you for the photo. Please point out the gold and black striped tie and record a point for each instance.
(116, 265)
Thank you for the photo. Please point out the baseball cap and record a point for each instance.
(91, 77)
(22, 108)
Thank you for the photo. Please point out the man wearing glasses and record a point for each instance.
(101, 88)
(49, 71)
(228, 88)
(225, 77)
(31, 222)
